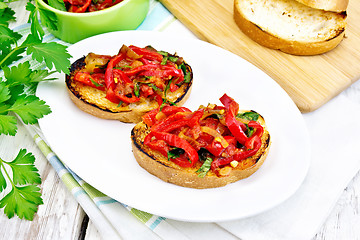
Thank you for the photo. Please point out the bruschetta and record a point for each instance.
(129, 84)
(210, 147)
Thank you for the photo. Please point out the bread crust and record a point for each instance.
(88, 99)
(159, 166)
(327, 5)
(267, 39)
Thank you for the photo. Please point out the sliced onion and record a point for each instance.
(216, 135)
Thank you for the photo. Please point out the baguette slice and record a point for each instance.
(290, 26)
(327, 5)
(159, 166)
(93, 101)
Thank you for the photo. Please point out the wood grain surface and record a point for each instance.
(309, 80)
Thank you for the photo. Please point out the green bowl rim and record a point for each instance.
(87, 14)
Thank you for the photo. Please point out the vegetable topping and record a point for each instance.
(210, 138)
(134, 73)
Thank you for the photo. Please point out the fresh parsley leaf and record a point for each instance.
(24, 197)
(24, 170)
(48, 18)
(2, 182)
(56, 55)
(17, 74)
(205, 167)
(39, 76)
(18, 202)
(251, 116)
(35, 27)
(30, 108)
(8, 36)
(58, 4)
(6, 14)
(8, 125)
(4, 92)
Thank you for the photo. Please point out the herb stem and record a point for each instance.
(9, 54)
(7, 174)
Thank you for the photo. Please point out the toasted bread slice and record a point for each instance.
(93, 101)
(157, 164)
(290, 26)
(327, 5)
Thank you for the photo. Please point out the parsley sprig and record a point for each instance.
(19, 178)
(25, 196)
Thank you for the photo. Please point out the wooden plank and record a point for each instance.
(60, 217)
(310, 81)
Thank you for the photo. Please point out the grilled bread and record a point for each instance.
(217, 165)
(291, 26)
(127, 100)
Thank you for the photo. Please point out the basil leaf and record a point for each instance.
(137, 89)
(175, 153)
(95, 83)
(251, 116)
(173, 59)
(205, 167)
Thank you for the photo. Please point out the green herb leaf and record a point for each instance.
(251, 116)
(48, 18)
(205, 167)
(4, 93)
(6, 14)
(7, 37)
(21, 200)
(164, 60)
(35, 28)
(56, 55)
(30, 108)
(2, 182)
(96, 83)
(175, 153)
(58, 4)
(8, 125)
(24, 170)
(17, 74)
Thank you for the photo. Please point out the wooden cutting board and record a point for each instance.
(310, 81)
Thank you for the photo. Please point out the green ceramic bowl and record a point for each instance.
(73, 27)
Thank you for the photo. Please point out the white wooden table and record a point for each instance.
(60, 217)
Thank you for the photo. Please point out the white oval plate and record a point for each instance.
(99, 151)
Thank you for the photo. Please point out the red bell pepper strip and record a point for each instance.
(259, 130)
(219, 162)
(256, 144)
(226, 101)
(170, 110)
(176, 141)
(95, 80)
(110, 95)
(235, 128)
(147, 67)
(159, 145)
(84, 7)
(109, 76)
(147, 54)
(167, 122)
(126, 99)
(182, 161)
(123, 77)
(215, 148)
(149, 118)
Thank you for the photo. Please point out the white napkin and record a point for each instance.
(334, 131)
